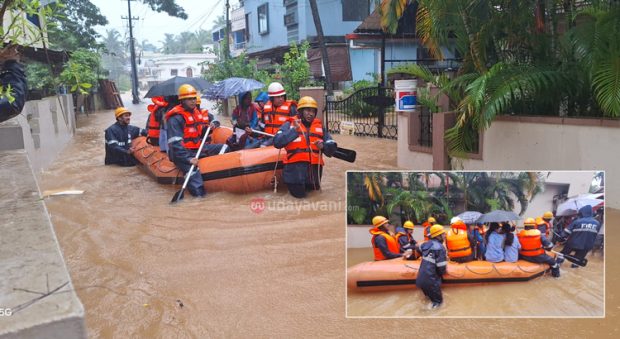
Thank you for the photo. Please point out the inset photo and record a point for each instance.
(475, 244)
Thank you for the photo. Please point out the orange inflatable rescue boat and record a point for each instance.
(398, 273)
(242, 171)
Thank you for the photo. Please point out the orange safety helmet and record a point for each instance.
(307, 102)
(379, 221)
(437, 230)
(187, 92)
(458, 224)
(408, 224)
(120, 111)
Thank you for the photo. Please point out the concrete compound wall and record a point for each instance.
(552, 144)
(34, 284)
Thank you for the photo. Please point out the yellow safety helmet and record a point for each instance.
(187, 92)
(431, 219)
(408, 224)
(307, 102)
(379, 221)
(437, 230)
(548, 215)
(529, 222)
(120, 111)
(540, 221)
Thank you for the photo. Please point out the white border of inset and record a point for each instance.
(346, 258)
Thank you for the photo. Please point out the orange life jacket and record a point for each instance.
(547, 228)
(531, 244)
(427, 230)
(194, 124)
(274, 119)
(298, 150)
(457, 243)
(392, 243)
(398, 236)
(153, 125)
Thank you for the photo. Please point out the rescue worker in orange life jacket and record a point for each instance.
(427, 227)
(153, 122)
(541, 225)
(548, 219)
(533, 245)
(384, 245)
(118, 149)
(277, 110)
(305, 140)
(433, 266)
(185, 126)
(459, 242)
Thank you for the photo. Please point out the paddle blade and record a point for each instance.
(345, 154)
(177, 196)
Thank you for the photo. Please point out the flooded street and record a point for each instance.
(214, 268)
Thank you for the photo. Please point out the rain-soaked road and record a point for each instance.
(215, 268)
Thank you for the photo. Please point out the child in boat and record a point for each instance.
(511, 244)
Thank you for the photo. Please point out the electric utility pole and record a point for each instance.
(134, 69)
(227, 30)
(319, 33)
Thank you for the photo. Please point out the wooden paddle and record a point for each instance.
(179, 194)
(341, 153)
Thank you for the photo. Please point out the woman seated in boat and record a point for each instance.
(511, 243)
(495, 243)
(305, 141)
(244, 119)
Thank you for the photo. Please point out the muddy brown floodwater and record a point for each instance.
(134, 259)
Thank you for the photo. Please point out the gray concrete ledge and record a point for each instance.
(30, 259)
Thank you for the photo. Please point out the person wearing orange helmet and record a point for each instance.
(433, 266)
(185, 127)
(305, 140)
(458, 242)
(118, 137)
(384, 245)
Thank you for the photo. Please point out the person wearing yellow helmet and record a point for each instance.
(384, 245)
(185, 127)
(405, 238)
(305, 140)
(427, 227)
(433, 265)
(533, 245)
(118, 137)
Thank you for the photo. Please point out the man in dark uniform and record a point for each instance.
(304, 139)
(433, 265)
(11, 74)
(581, 234)
(118, 149)
(185, 126)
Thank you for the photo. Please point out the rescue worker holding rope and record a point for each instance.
(185, 125)
(533, 245)
(304, 140)
(384, 245)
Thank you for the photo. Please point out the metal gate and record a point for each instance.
(366, 112)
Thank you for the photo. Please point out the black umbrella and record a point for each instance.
(498, 216)
(171, 86)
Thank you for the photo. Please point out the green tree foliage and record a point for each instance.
(167, 6)
(519, 59)
(80, 72)
(295, 71)
(39, 77)
(72, 28)
(186, 42)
